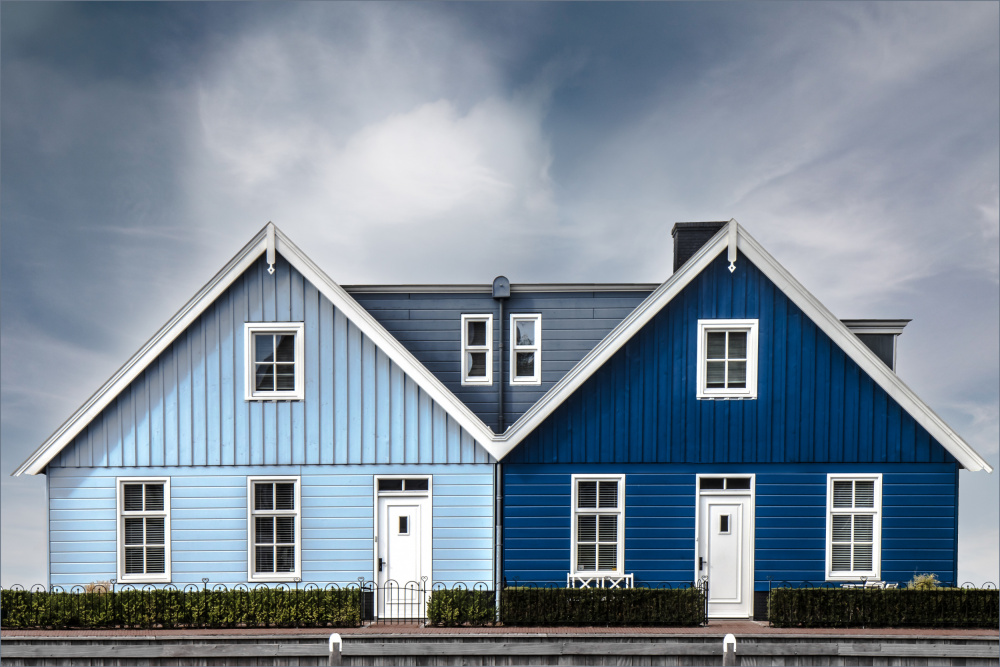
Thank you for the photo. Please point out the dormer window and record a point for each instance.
(477, 349)
(525, 349)
(727, 359)
(274, 352)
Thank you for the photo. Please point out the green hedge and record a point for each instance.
(602, 606)
(461, 607)
(881, 608)
(168, 608)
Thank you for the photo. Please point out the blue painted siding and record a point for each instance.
(429, 325)
(918, 520)
(814, 404)
(188, 409)
(208, 527)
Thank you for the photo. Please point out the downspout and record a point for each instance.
(501, 291)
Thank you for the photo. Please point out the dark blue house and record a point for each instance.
(721, 425)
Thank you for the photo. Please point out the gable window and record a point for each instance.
(143, 529)
(525, 349)
(598, 524)
(477, 349)
(853, 526)
(727, 359)
(274, 518)
(274, 352)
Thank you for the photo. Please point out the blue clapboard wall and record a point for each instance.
(429, 325)
(816, 412)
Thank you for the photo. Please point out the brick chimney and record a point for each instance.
(689, 237)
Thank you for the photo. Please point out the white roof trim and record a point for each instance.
(72, 427)
(818, 313)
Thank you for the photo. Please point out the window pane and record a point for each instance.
(607, 557)
(264, 377)
(715, 377)
(737, 482)
(586, 495)
(609, 494)
(842, 528)
(737, 374)
(863, 528)
(716, 348)
(284, 377)
(586, 528)
(263, 347)
(416, 485)
(264, 532)
(133, 530)
(477, 364)
(525, 366)
(133, 560)
(154, 530)
(525, 332)
(712, 483)
(264, 560)
(285, 349)
(737, 344)
(862, 557)
(390, 485)
(476, 333)
(263, 496)
(133, 497)
(864, 493)
(586, 557)
(154, 497)
(284, 496)
(284, 529)
(608, 528)
(842, 493)
(841, 558)
(285, 559)
(156, 560)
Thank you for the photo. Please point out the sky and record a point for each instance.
(143, 144)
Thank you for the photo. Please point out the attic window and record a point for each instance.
(727, 359)
(525, 349)
(274, 352)
(477, 349)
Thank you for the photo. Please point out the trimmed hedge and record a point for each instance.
(602, 606)
(461, 607)
(880, 608)
(169, 608)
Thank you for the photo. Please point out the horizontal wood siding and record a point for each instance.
(208, 528)
(429, 325)
(918, 520)
(188, 408)
(814, 404)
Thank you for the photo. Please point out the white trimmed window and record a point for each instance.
(143, 529)
(598, 524)
(853, 526)
(526, 349)
(274, 354)
(274, 527)
(477, 349)
(727, 358)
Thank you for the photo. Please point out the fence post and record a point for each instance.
(336, 644)
(729, 656)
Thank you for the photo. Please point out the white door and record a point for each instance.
(724, 554)
(404, 556)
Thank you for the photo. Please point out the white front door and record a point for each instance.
(724, 555)
(404, 556)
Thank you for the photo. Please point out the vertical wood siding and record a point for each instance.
(814, 404)
(918, 520)
(429, 325)
(187, 407)
(208, 528)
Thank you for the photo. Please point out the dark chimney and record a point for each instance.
(689, 237)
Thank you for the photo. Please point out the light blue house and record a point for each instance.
(282, 428)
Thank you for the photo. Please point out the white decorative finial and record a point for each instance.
(270, 247)
(732, 245)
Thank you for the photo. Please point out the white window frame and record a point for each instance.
(854, 575)
(251, 328)
(488, 349)
(121, 515)
(574, 512)
(536, 348)
(706, 326)
(252, 575)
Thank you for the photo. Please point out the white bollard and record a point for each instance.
(729, 656)
(335, 649)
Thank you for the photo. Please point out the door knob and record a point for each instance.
(380, 564)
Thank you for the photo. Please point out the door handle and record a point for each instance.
(701, 564)
(380, 563)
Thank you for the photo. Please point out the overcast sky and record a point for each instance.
(143, 144)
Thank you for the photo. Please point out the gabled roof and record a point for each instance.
(734, 238)
(259, 245)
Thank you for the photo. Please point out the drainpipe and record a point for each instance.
(501, 291)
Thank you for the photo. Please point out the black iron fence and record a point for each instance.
(875, 604)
